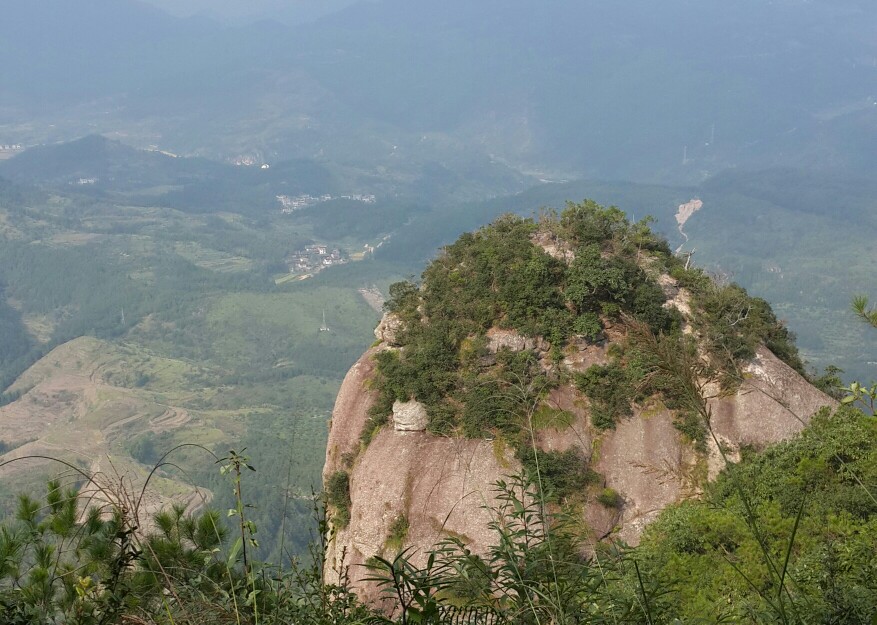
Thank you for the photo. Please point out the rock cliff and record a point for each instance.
(443, 486)
(441, 483)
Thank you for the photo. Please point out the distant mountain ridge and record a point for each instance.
(632, 90)
(95, 156)
(96, 164)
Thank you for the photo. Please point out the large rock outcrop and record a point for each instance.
(389, 329)
(444, 486)
(355, 398)
(409, 488)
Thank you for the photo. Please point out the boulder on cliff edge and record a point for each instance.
(409, 416)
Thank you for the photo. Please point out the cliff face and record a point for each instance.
(412, 488)
(440, 485)
(444, 486)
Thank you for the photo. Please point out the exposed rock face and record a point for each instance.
(554, 247)
(442, 485)
(646, 460)
(773, 404)
(498, 339)
(677, 297)
(577, 433)
(409, 416)
(350, 413)
(388, 329)
(579, 355)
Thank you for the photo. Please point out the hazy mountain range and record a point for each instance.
(637, 90)
(288, 11)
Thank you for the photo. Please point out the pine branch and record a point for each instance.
(860, 307)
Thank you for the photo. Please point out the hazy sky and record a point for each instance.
(246, 10)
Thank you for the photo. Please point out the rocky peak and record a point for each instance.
(476, 386)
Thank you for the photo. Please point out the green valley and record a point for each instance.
(131, 328)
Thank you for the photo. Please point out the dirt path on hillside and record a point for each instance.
(683, 214)
(171, 419)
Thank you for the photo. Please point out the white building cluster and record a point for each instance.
(290, 204)
(314, 258)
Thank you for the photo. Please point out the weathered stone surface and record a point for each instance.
(576, 434)
(554, 246)
(409, 416)
(441, 484)
(601, 521)
(678, 298)
(645, 460)
(389, 329)
(351, 412)
(580, 355)
(498, 339)
(773, 404)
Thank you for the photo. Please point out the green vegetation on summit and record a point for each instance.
(560, 279)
